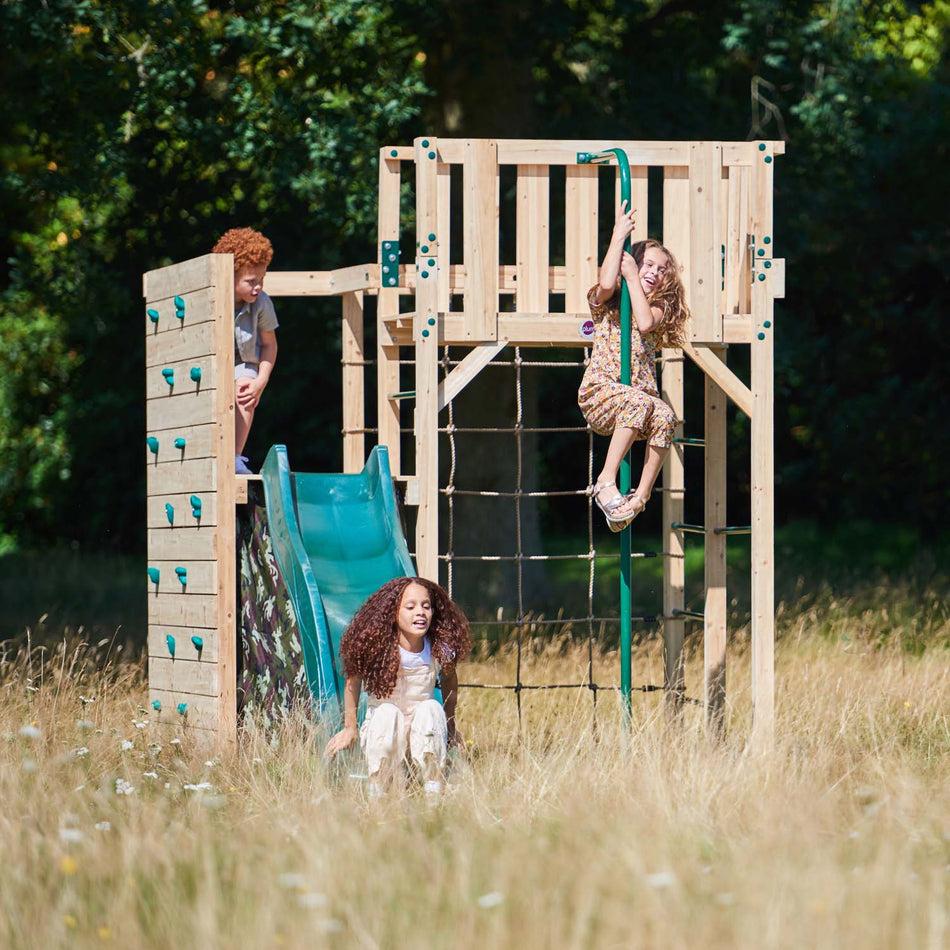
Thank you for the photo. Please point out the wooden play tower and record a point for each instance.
(481, 296)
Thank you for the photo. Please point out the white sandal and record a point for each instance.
(619, 526)
(609, 508)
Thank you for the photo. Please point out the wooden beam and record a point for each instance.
(387, 350)
(327, 283)
(354, 409)
(703, 290)
(533, 236)
(472, 364)
(715, 606)
(580, 233)
(733, 387)
(674, 564)
(425, 336)
(480, 226)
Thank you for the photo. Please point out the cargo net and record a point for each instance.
(588, 619)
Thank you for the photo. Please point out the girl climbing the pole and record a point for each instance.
(628, 413)
(405, 636)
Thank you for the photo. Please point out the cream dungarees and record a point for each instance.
(407, 720)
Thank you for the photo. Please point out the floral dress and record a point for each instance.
(605, 402)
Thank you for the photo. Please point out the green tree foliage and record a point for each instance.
(137, 132)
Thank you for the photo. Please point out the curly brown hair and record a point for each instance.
(249, 247)
(370, 644)
(669, 294)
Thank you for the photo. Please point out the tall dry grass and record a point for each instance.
(552, 833)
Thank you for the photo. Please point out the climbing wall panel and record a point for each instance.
(190, 483)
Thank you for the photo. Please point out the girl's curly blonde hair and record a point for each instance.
(249, 247)
(669, 293)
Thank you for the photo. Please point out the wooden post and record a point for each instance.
(425, 334)
(387, 350)
(190, 547)
(714, 610)
(676, 238)
(705, 280)
(354, 415)
(763, 476)
(580, 235)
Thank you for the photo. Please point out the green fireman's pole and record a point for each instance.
(603, 158)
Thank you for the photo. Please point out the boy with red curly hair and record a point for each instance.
(255, 342)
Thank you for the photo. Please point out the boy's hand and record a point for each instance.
(623, 227)
(247, 392)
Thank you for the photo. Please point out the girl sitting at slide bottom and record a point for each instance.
(403, 637)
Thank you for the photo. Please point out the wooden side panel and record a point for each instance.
(181, 279)
(480, 228)
(354, 409)
(196, 309)
(580, 234)
(192, 341)
(704, 288)
(185, 649)
(533, 239)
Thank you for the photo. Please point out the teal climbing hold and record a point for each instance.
(199, 643)
(169, 513)
(154, 574)
(182, 573)
(195, 506)
(170, 643)
(156, 705)
(180, 308)
(152, 444)
(152, 315)
(179, 443)
(169, 375)
(195, 374)
(182, 708)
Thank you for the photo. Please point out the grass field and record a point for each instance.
(557, 832)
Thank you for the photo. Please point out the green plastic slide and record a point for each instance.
(337, 539)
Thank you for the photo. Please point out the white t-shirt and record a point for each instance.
(413, 661)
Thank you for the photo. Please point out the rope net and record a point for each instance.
(593, 624)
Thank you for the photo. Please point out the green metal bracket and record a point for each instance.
(389, 256)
